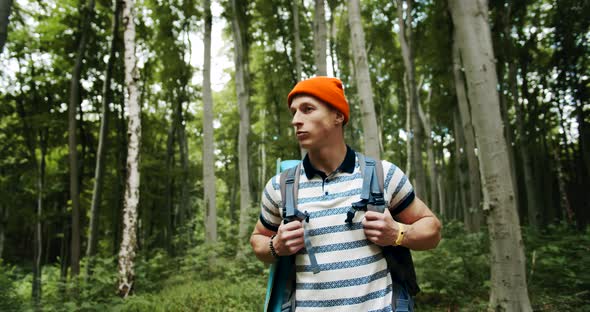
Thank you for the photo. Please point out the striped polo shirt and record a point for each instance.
(354, 274)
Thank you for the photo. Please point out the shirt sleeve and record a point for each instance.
(270, 205)
(398, 190)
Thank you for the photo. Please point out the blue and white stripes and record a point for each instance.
(354, 274)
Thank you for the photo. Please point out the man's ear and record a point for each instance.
(339, 117)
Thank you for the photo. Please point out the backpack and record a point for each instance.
(281, 282)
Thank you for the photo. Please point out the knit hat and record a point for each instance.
(326, 89)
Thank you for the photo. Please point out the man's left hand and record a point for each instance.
(380, 228)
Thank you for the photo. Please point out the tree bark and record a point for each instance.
(208, 139)
(425, 120)
(100, 152)
(474, 209)
(5, 6)
(320, 36)
(297, 40)
(417, 135)
(242, 89)
(464, 186)
(508, 275)
(363, 80)
(87, 12)
(131, 201)
(3, 222)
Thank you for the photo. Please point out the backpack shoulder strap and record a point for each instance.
(289, 185)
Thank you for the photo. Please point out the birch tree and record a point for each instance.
(131, 199)
(320, 36)
(74, 102)
(208, 139)
(508, 275)
(100, 152)
(239, 27)
(363, 80)
(296, 39)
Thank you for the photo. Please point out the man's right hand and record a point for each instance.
(289, 238)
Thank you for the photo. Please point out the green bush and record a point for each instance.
(9, 299)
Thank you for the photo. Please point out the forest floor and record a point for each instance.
(453, 277)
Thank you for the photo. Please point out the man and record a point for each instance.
(354, 275)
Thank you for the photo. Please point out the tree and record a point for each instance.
(100, 152)
(5, 6)
(508, 275)
(87, 12)
(319, 38)
(131, 200)
(209, 182)
(239, 26)
(472, 218)
(363, 80)
(417, 134)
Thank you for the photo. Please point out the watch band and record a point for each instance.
(400, 234)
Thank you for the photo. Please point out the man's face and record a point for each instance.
(314, 121)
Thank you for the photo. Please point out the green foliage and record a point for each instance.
(457, 269)
(9, 299)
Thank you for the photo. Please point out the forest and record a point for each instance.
(137, 137)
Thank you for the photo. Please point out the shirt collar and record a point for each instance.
(346, 166)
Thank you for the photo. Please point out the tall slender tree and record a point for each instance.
(5, 6)
(87, 12)
(473, 215)
(320, 36)
(131, 200)
(208, 139)
(406, 39)
(508, 276)
(239, 26)
(363, 80)
(102, 141)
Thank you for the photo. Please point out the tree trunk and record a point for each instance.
(129, 241)
(5, 6)
(464, 187)
(100, 152)
(210, 204)
(474, 208)
(417, 136)
(333, 34)
(87, 12)
(3, 222)
(363, 80)
(425, 120)
(169, 209)
(296, 39)
(508, 275)
(242, 90)
(320, 36)
(408, 129)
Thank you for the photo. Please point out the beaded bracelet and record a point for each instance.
(273, 252)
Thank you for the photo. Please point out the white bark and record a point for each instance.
(320, 36)
(131, 200)
(508, 276)
(363, 80)
(208, 138)
(241, 65)
(425, 119)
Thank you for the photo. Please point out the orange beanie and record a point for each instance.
(326, 89)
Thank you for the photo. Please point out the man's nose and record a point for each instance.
(296, 120)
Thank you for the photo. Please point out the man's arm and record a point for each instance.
(421, 227)
(288, 240)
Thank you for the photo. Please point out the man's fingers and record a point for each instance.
(372, 215)
(292, 225)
